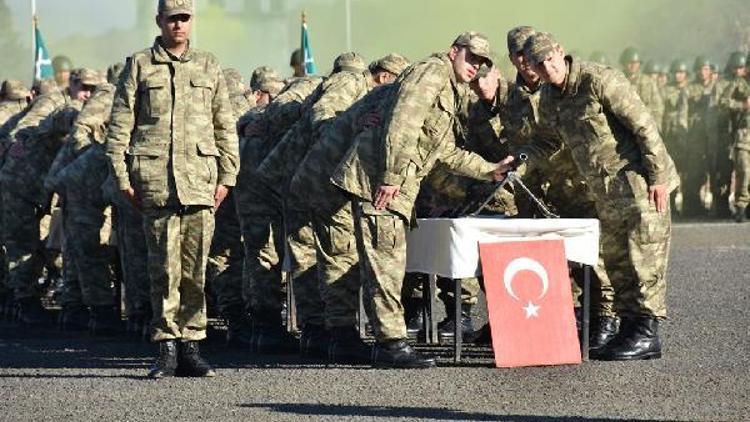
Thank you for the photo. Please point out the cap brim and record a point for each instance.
(178, 12)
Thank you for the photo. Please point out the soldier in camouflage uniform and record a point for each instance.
(337, 281)
(62, 67)
(418, 130)
(596, 113)
(25, 200)
(736, 99)
(265, 85)
(261, 221)
(676, 120)
(173, 118)
(630, 59)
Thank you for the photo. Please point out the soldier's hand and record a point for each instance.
(658, 195)
(219, 195)
(486, 86)
(132, 197)
(503, 167)
(747, 103)
(385, 195)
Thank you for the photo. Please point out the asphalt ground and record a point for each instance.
(703, 376)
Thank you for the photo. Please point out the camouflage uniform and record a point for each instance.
(173, 121)
(698, 147)
(734, 99)
(648, 91)
(259, 206)
(675, 128)
(616, 146)
(419, 130)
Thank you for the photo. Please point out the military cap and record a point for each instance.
(61, 64)
(539, 46)
(45, 86)
(653, 68)
(476, 42)
(517, 38)
(271, 86)
(678, 65)
(88, 77)
(262, 76)
(393, 63)
(349, 61)
(701, 61)
(296, 58)
(14, 90)
(630, 55)
(175, 7)
(736, 59)
(235, 82)
(599, 57)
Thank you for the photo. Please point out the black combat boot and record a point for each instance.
(398, 354)
(740, 214)
(190, 363)
(273, 339)
(239, 330)
(346, 347)
(105, 321)
(482, 336)
(447, 327)
(166, 363)
(603, 330)
(74, 318)
(32, 313)
(638, 339)
(413, 316)
(314, 341)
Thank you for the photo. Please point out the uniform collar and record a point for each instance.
(573, 76)
(161, 55)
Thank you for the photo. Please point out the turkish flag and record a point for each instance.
(530, 303)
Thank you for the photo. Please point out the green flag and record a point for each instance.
(42, 60)
(306, 50)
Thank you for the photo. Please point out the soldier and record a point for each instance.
(338, 282)
(698, 146)
(630, 59)
(616, 146)
(265, 85)
(25, 200)
(297, 63)
(599, 57)
(172, 115)
(62, 67)
(736, 99)
(676, 122)
(417, 131)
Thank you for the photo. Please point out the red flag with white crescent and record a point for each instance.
(530, 303)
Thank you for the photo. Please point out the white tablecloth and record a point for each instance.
(449, 247)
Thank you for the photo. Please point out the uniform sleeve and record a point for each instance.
(90, 124)
(416, 97)
(465, 163)
(225, 132)
(121, 125)
(617, 96)
(338, 96)
(40, 109)
(734, 96)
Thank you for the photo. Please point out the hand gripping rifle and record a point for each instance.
(513, 179)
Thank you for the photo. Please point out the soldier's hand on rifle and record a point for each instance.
(503, 167)
(384, 195)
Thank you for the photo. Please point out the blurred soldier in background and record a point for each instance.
(630, 60)
(62, 67)
(736, 99)
(696, 163)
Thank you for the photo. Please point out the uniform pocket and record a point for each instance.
(208, 154)
(202, 88)
(158, 100)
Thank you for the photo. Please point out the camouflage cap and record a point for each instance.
(539, 46)
(235, 82)
(262, 76)
(393, 63)
(517, 38)
(14, 90)
(175, 7)
(271, 86)
(89, 77)
(350, 62)
(476, 42)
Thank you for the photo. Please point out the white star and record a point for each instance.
(531, 310)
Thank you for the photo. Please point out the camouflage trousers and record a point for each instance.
(338, 264)
(24, 247)
(225, 261)
(742, 178)
(381, 244)
(470, 288)
(302, 266)
(178, 241)
(634, 252)
(133, 253)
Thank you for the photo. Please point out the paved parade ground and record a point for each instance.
(704, 376)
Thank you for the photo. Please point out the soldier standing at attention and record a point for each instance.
(616, 146)
(173, 148)
(645, 87)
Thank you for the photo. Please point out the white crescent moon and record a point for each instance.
(520, 264)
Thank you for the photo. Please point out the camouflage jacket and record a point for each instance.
(37, 111)
(612, 136)
(31, 156)
(90, 127)
(676, 111)
(173, 121)
(734, 99)
(331, 98)
(699, 102)
(11, 112)
(648, 90)
(419, 130)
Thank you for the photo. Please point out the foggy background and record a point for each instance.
(248, 33)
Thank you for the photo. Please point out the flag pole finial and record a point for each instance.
(304, 17)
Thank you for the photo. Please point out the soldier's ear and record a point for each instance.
(157, 19)
(453, 52)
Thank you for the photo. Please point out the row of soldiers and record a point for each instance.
(326, 175)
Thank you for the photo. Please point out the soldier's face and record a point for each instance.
(175, 29)
(262, 98)
(383, 77)
(705, 73)
(740, 72)
(633, 67)
(680, 77)
(662, 79)
(524, 67)
(553, 69)
(80, 91)
(465, 63)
